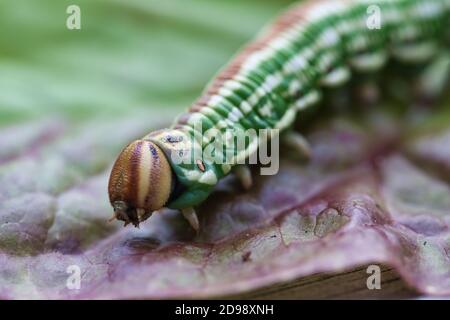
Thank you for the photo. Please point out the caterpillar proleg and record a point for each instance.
(314, 45)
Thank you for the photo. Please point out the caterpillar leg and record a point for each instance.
(367, 93)
(243, 173)
(298, 142)
(432, 83)
(422, 84)
(191, 217)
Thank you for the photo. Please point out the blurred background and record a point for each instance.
(70, 100)
(129, 57)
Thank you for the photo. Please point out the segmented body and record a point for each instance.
(313, 45)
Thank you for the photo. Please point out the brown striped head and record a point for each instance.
(140, 182)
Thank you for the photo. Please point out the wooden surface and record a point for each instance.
(346, 285)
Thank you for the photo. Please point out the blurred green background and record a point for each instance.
(129, 57)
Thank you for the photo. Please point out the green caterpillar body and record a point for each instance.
(313, 45)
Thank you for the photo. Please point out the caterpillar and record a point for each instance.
(314, 45)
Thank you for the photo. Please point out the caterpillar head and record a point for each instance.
(141, 182)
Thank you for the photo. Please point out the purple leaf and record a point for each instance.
(365, 197)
